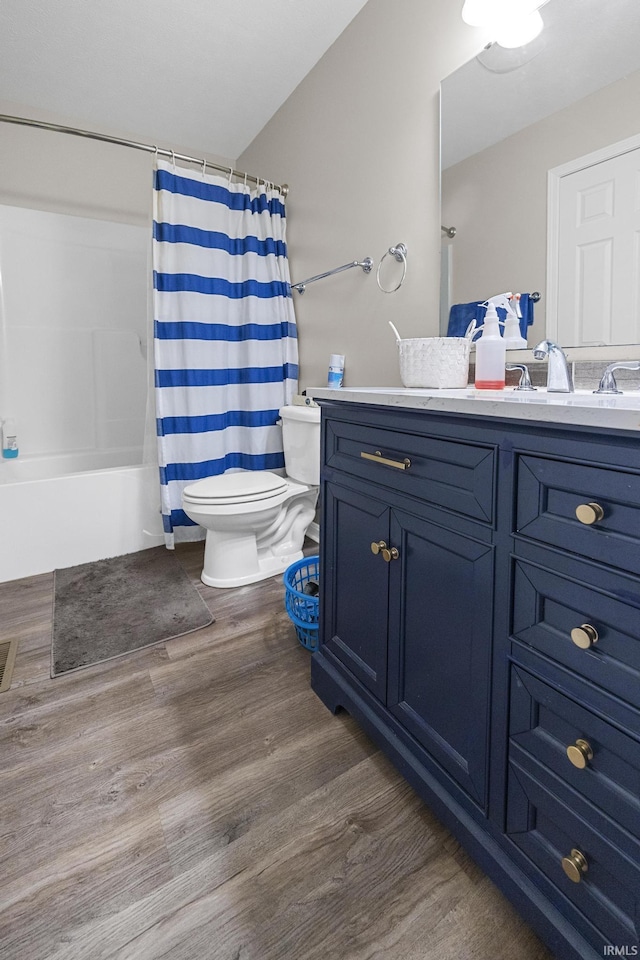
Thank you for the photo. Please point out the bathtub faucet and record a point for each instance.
(559, 379)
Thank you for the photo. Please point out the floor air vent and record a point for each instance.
(8, 651)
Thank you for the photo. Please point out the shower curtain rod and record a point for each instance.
(57, 128)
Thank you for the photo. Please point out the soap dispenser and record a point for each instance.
(490, 353)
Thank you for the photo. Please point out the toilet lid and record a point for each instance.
(237, 487)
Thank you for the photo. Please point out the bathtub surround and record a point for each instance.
(73, 343)
(109, 608)
(226, 351)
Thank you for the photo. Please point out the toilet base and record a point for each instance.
(252, 542)
(267, 567)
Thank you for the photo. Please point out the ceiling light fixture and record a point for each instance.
(513, 23)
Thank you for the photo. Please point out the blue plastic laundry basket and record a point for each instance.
(303, 607)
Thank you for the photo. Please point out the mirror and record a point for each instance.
(508, 117)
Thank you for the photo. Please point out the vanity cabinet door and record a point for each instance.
(440, 624)
(356, 585)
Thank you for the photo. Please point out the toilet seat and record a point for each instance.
(247, 486)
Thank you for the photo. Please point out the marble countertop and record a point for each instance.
(582, 408)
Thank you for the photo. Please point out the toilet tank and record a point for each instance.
(301, 443)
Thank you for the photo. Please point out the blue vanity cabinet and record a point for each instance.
(493, 650)
(580, 825)
(356, 590)
(439, 652)
(573, 775)
(407, 608)
(390, 626)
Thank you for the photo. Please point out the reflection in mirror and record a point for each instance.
(509, 118)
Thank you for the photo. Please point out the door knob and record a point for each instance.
(584, 636)
(589, 513)
(390, 554)
(580, 753)
(575, 865)
(377, 546)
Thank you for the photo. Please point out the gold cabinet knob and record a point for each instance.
(584, 636)
(389, 555)
(589, 513)
(377, 546)
(575, 865)
(580, 753)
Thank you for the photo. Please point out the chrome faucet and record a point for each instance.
(559, 379)
(608, 381)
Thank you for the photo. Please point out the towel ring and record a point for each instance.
(400, 253)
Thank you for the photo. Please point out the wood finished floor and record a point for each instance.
(196, 801)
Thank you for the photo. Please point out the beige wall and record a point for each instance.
(68, 174)
(498, 198)
(358, 143)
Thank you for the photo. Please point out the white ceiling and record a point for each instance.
(199, 74)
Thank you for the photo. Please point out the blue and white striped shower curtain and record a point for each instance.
(226, 350)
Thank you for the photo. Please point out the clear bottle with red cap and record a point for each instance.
(491, 353)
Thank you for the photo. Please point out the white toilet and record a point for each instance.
(255, 520)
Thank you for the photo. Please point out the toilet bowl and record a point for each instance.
(256, 520)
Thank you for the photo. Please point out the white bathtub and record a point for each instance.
(69, 509)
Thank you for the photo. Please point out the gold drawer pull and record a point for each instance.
(377, 546)
(580, 753)
(378, 458)
(584, 636)
(589, 513)
(389, 555)
(575, 865)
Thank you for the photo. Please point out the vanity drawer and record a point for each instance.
(549, 825)
(605, 762)
(550, 491)
(548, 607)
(451, 474)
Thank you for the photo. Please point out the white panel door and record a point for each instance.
(598, 253)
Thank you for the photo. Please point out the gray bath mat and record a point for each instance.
(111, 607)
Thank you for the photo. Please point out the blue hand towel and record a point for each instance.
(526, 309)
(461, 315)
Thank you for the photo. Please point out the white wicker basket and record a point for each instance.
(435, 362)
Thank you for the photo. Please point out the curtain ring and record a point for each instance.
(204, 168)
(173, 160)
(400, 254)
(230, 176)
